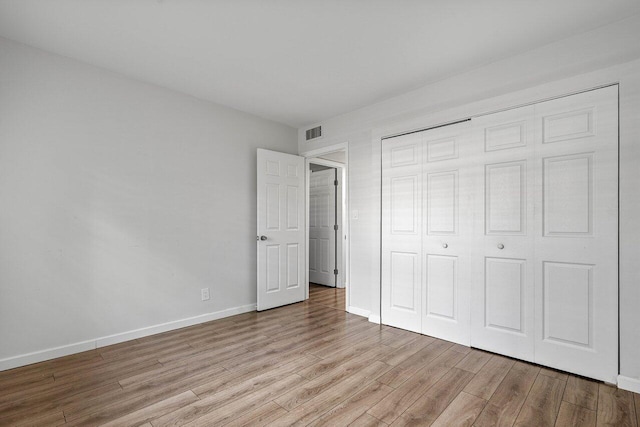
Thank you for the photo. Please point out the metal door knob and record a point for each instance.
(262, 238)
(500, 246)
(444, 245)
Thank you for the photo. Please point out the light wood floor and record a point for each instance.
(305, 364)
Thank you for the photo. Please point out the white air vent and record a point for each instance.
(314, 133)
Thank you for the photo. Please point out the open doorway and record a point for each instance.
(325, 223)
(327, 228)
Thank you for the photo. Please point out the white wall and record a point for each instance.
(607, 55)
(119, 201)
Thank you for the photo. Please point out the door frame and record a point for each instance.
(312, 156)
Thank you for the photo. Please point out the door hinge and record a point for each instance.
(335, 272)
(335, 227)
(335, 182)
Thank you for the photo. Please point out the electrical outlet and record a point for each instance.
(204, 292)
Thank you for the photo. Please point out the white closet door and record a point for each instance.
(401, 232)
(502, 312)
(576, 240)
(322, 236)
(447, 229)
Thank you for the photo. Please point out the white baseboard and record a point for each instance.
(358, 311)
(629, 384)
(374, 318)
(52, 353)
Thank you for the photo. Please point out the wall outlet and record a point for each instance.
(204, 293)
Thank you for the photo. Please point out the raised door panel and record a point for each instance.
(442, 203)
(293, 216)
(313, 257)
(293, 265)
(504, 285)
(442, 149)
(568, 195)
(442, 286)
(503, 136)
(273, 207)
(324, 256)
(506, 197)
(567, 312)
(404, 278)
(568, 125)
(273, 268)
(404, 203)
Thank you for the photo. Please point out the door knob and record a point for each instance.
(500, 246)
(444, 245)
(261, 238)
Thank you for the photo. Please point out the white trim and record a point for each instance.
(374, 318)
(359, 311)
(325, 150)
(629, 384)
(65, 350)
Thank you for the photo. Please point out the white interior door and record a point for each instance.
(402, 232)
(502, 316)
(281, 229)
(576, 244)
(322, 235)
(546, 266)
(447, 189)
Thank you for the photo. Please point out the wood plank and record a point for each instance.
(310, 389)
(615, 407)
(408, 350)
(366, 420)
(462, 412)
(314, 408)
(260, 416)
(252, 379)
(554, 373)
(581, 392)
(571, 415)
(506, 402)
(332, 362)
(542, 404)
(150, 412)
(411, 365)
(474, 361)
(105, 408)
(351, 409)
(393, 405)
(220, 408)
(487, 380)
(430, 405)
(637, 400)
(48, 418)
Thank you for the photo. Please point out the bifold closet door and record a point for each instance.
(545, 269)
(502, 310)
(447, 190)
(576, 239)
(427, 191)
(402, 232)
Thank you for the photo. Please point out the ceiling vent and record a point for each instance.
(314, 133)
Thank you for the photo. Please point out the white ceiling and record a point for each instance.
(298, 61)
